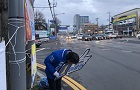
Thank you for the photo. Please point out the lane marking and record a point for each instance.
(72, 83)
(125, 51)
(41, 66)
(76, 83)
(40, 49)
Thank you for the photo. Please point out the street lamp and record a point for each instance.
(59, 14)
(55, 19)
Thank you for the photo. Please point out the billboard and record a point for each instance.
(63, 28)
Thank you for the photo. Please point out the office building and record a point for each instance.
(79, 21)
(127, 23)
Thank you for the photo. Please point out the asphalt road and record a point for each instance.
(115, 64)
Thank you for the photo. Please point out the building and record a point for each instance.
(127, 23)
(79, 21)
(89, 28)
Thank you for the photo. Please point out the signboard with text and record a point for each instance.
(70, 68)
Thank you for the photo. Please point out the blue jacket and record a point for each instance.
(54, 62)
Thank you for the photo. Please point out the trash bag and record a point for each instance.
(43, 85)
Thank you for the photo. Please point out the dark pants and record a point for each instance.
(54, 85)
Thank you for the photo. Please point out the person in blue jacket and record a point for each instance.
(53, 63)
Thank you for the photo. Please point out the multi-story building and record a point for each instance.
(76, 22)
(79, 21)
(127, 23)
(90, 28)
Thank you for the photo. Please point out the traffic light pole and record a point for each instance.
(17, 45)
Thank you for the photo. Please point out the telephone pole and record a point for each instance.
(109, 19)
(17, 45)
(55, 19)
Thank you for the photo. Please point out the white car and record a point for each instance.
(138, 36)
(112, 35)
(79, 36)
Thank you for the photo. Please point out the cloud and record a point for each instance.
(91, 8)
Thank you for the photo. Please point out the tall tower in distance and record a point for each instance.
(78, 21)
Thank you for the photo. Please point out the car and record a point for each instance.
(68, 37)
(79, 36)
(73, 37)
(86, 37)
(105, 36)
(38, 42)
(44, 39)
(119, 36)
(97, 37)
(112, 35)
(138, 36)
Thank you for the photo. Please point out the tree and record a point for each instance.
(40, 22)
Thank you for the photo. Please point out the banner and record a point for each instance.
(2, 67)
(29, 21)
(33, 63)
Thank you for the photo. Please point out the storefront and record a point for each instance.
(127, 23)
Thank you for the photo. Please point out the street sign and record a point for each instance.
(52, 21)
(63, 28)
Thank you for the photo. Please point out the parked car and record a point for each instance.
(97, 37)
(119, 36)
(112, 35)
(38, 42)
(105, 36)
(86, 37)
(44, 39)
(138, 36)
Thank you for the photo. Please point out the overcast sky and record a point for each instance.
(91, 8)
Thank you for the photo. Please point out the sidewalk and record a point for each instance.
(130, 38)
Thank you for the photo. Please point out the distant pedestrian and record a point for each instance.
(53, 64)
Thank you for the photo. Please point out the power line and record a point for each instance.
(51, 9)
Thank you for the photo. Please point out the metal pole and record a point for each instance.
(97, 24)
(17, 45)
(109, 20)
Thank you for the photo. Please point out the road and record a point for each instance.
(115, 64)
